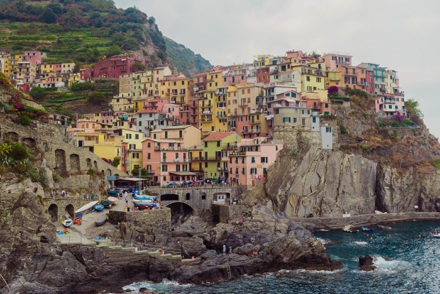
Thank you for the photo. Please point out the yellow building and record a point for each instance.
(212, 106)
(120, 103)
(134, 147)
(312, 78)
(196, 154)
(178, 89)
(10, 64)
(262, 61)
(46, 68)
(333, 79)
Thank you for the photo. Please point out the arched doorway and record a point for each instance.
(53, 212)
(70, 210)
(180, 212)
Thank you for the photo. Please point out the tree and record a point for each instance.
(412, 106)
(137, 66)
(96, 98)
(144, 173)
(38, 93)
(116, 161)
(49, 16)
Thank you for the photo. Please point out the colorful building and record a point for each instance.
(215, 153)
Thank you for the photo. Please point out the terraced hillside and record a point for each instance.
(83, 31)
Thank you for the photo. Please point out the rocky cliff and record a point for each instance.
(371, 168)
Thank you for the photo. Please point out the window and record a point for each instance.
(206, 144)
(166, 134)
(180, 134)
(203, 196)
(164, 168)
(148, 155)
(218, 143)
(328, 129)
(243, 171)
(308, 79)
(136, 136)
(149, 145)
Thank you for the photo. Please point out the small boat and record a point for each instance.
(112, 199)
(107, 204)
(436, 236)
(384, 227)
(86, 207)
(67, 223)
(99, 207)
(99, 223)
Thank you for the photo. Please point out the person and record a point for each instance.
(230, 250)
(224, 248)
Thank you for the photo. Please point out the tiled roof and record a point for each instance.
(217, 136)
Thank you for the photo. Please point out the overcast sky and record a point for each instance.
(399, 34)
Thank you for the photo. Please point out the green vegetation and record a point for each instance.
(116, 161)
(436, 163)
(91, 172)
(84, 31)
(343, 130)
(25, 120)
(96, 98)
(144, 173)
(185, 60)
(412, 106)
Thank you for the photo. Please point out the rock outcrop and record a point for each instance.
(366, 263)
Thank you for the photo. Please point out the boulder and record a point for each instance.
(366, 263)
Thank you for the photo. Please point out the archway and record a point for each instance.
(11, 136)
(70, 210)
(60, 161)
(89, 162)
(29, 142)
(109, 172)
(180, 212)
(95, 164)
(53, 212)
(74, 163)
(169, 197)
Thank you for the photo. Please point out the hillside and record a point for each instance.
(83, 31)
(185, 60)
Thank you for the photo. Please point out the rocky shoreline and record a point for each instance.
(32, 261)
(357, 221)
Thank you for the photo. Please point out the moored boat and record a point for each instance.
(67, 223)
(99, 223)
(99, 207)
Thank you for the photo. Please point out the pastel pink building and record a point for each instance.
(388, 105)
(33, 56)
(234, 76)
(249, 164)
(334, 61)
(166, 161)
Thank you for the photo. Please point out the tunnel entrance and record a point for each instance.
(180, 212)
(53, 212)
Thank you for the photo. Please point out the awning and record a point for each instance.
(183, 173)
(130, 179)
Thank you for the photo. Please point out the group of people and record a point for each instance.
(63, 193)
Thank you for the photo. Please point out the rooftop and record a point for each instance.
(217, 136)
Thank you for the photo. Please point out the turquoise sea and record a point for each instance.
(414, 266)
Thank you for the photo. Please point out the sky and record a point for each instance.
(398, 34)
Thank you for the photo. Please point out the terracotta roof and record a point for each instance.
(217, 136)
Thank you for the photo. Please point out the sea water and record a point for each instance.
(413, 266)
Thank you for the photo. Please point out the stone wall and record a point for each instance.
(62, 206)
(146, 221)
(58, 153)
(228, 213)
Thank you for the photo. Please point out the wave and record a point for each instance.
(162, 286)
(322, 241)
(389, 266)
(362, 243)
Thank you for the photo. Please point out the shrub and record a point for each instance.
(19, 152)
(395, 124)
(393, 136)
(96, 98)
(343, 130)
(91, 172)
(436, 163)
(25, 120)
(86, 86)
(332, 91)
(116, 161)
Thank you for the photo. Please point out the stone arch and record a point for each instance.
(53, 212)
(109, 172)
(74, 163)
(169, 197)
(89, 162)
(60, 161)
(29, 142)
(11, 136)
(180, 208)
(95, 164)
(70, 210)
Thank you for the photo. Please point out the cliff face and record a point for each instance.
(371, 168)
